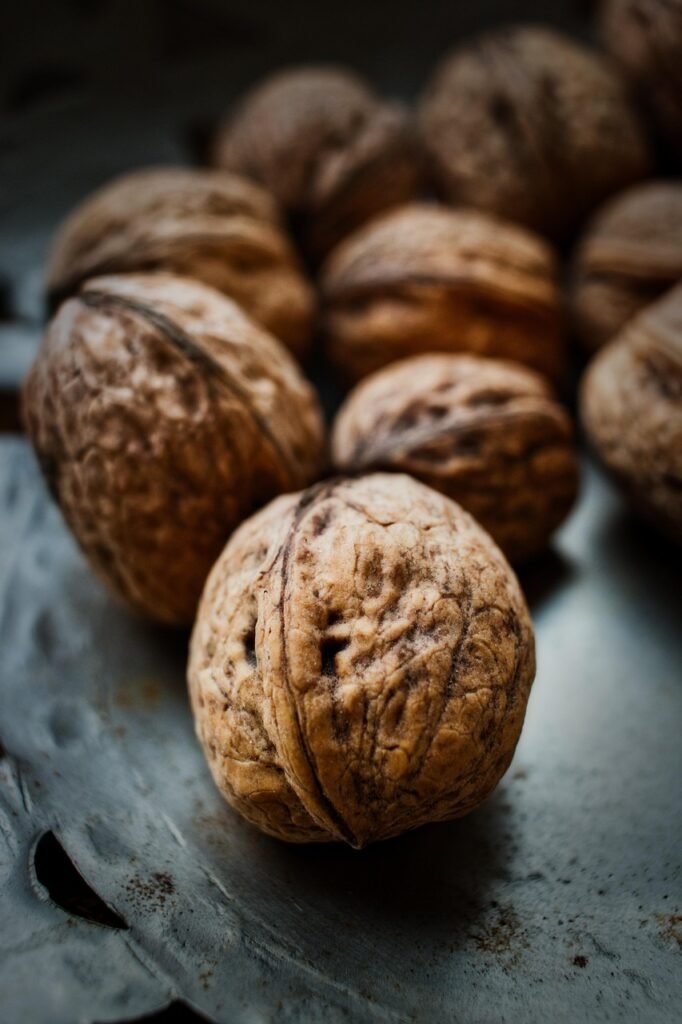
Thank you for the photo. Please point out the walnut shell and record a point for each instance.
(631, 404)
(360, 663)
(630, 254)
(213, 226)
(528, 124)
(162, 416)
(424, 278)
(486, 433)
(327, 147)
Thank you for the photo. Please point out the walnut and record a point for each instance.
(210, 225)
(528, 124)
(162, 416)
(631, 404)
(485, 432)
(630, 254)
(425, 278)
(360, 663)
(331, 151)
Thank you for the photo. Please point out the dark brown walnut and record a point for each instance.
(645, 38)
(629, 255)
(528, 124)
(162, 416)
(331, 151)
(631, 404)
(210, 225)
(360, 663)
(424, 278)
(485, 432)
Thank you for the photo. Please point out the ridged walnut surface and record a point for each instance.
(629, 255)
(162, 416)
(424, 278)
(528, 124)
(485, 432)
(631, 405)
(210, 225)
(331, 151)
(361, 662)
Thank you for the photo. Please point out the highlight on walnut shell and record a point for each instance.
(162, 416)
(629, 255)
(424, 278)
(330, 150)
(487, 433)
(210, 225)
(631, 406)
(360, 663)
(526, 123)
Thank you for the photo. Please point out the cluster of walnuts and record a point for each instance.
(362, 653)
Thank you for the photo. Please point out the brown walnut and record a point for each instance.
(210, 225)
(360, 663)
(424, 278)
(485, 432)
(630, 254)
(631, 406)
(162, 416)
(330, 150)
(526, 123)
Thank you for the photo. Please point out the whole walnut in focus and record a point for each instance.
(162, 416)
(485, 432)
(330, 150)
(629, 255)
(424, 278)
(645, 38)
(631, 404)
(360, 662)
(526, 123)
(210, 225)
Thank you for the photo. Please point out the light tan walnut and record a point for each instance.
(487, 433)
(210, 225)
(162, 416)
(360, 663)
(631, 404)
(424, 278)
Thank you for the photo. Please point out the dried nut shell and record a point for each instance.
(631, 404)
(327, 147)
(162, 416)
(528, 124)
(213, 226)
(360, 663)
(424, 278)
(486, 433)
(630, 254)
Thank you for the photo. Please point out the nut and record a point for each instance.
(630, 254)
(486, 433)
(528, 124)
(425, 278)
(162, 416)
(631, 405)
(360, 663)
(213, 226)
(328, 148)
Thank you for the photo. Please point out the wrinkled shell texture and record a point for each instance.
(645, 38)
(630, 254)
(486, 433)
(528, 124)
(631, 405)
(210, 225)
(361, 662)
(162, 416)
(424, 278)
(331, 151)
